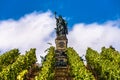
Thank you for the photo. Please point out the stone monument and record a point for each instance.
(61, 32)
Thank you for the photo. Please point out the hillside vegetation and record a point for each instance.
(100, 66)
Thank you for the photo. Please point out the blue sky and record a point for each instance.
(76, 11)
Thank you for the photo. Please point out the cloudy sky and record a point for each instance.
(26, 24)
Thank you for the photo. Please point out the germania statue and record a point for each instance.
(61, 29)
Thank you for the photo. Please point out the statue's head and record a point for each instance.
(60, 16)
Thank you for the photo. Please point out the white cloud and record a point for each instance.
(35, 30)
(94, 35)
(31, 31)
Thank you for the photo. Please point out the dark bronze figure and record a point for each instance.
(61, 29)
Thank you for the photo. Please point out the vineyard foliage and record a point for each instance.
(23, 62)
(100, 66)
(78, 69)
(8, 58)
(22, 74)
(47, 72)
(105, 65)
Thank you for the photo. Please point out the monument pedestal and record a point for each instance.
(61, 43)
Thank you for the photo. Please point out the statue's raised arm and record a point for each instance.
(55, 15)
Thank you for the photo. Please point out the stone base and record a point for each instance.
(61, 43)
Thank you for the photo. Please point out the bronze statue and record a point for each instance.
(61, 24)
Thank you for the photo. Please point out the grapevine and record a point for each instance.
(46, 72)
(23, 62)
(8, 58)
(104, 64)
(78, 69)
